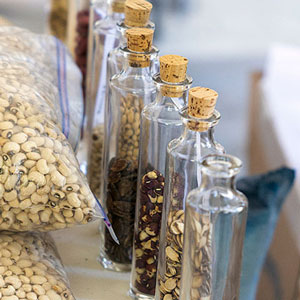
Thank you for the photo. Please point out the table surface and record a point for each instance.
(79, 247)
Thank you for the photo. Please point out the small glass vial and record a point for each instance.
(128, 92)
(215, 222)
(160, 123)
(182, 175)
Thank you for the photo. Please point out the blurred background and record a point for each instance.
(231, 45)
(224, 40)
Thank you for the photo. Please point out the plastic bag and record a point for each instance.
(30, 268)
(43, 63)
(41, 186)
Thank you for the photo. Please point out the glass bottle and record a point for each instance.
(183, 175)
(105, 37)
(160, 123)
(98, 11)
(128, 92)
(135, 10)
(137, 13)
(215, 221)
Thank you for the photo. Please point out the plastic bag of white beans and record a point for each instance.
(42, 64)
(30, 268)
(41, 186)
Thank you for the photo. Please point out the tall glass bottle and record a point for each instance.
(129, 91)
(137, 13)
(160, 123)
(183, 175)
(215, 221)
(105, 37)
(98, 11)
(134, 10)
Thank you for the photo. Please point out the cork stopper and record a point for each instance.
(139, 39)
(173, 68)
(202, 102)
(137, 13)
(118, 6)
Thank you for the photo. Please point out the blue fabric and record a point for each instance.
(266, 194)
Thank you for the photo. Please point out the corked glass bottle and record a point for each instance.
(137, 13)
(160, 123)
(215, 221)
(182, 175)
(135, 10)
(129, 91)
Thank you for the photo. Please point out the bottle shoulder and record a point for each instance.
(106, 25)
(132, 83)
(189, 149)
(159, 111)
(218, 199)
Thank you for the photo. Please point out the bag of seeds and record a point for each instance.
(41, 186)
(42, 65)
(30, 268)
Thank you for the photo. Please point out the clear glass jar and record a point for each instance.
(128, 92)
(105, 37)
(160, 123)
(215, 222)
(182, 175)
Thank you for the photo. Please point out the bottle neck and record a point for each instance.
(206, 138)
(209, 182)
(130, 70)
(219, 171)
(175, 93)
(138, 62)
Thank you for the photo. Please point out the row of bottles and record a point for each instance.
(166, 184)
(107, 60)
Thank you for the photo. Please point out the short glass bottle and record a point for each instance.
(182, 175)
(128, 92)
(160, 123)
(105, 38)
(215, 222)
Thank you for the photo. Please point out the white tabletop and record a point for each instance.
(79, 248)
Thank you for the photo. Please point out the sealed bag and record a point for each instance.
(30, 268)
(41, 186)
